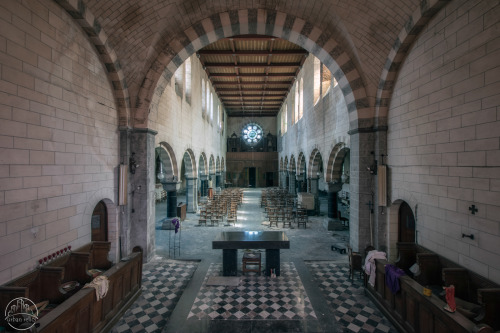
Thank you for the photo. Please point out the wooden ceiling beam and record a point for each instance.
(253, 75)
(222, 90)
(225, 83)
(258, 96)
(252, 52)
(250, 65)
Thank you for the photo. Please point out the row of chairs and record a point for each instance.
(281, 207)
(223, 204)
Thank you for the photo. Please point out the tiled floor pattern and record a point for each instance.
(163, 283)
(352, 309)
(255, 298)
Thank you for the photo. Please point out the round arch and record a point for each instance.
(315, 163)
(202, 164)
(301, 164)
(211, 165)
(335, 161)
(285, 166)
(168, 159)
(292, 167)
(281, 164)
(189, 163)
(217, 164)
(320, 42)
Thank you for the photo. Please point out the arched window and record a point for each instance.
(187, 74)
(211, 106)
(301, 98)
(296, 104)
(326, 80)
(179, 80)
(285, 111)
(203, 98)
(317, 80)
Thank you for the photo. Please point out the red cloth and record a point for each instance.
(450, 297)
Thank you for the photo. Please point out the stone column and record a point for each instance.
(314, 191)
(142, 185)
(218, 178)
(204, 185)
(333, 191)
(171, 189)
(192, 194)
(291, 184)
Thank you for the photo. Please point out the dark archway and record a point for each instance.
(99, 223)
(406, 224)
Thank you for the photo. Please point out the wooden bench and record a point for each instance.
(411, 311)
(78, 310)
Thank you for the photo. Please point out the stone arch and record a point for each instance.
(189, 163)
(217, 164)
(293, 165)
(320, 42)
(416, 23)
(167, 157)
(211, 165)
(285, 166)
(281, 164)
(315, 163)
(91, 26)
(202, 164)
(114, 229)
(222, 164)
(335, 161)
(392, 225)
(301, 164)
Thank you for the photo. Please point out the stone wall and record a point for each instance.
(444, 136)
(58, 136)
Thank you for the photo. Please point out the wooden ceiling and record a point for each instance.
(252, 74)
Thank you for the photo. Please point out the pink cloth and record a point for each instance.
(370, 264)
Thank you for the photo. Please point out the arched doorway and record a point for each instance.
(99, 223)
(406, 224)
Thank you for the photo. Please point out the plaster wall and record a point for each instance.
(444, 136)
(59, 143)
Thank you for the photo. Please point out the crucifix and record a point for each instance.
(473, 209)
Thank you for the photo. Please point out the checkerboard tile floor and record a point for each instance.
(352, 309)
(255, 298)
(163, 283)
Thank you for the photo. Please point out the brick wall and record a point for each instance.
(58, 135)
(444, 135)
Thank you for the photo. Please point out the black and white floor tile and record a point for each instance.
(352, 309)
(163, 283)
(255, 298)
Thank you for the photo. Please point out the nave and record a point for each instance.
(313, 293)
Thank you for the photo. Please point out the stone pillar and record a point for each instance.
(171, 189)
(333, 191)
(314, 191)
(142, 185)
(218, 180)
(291, 184)
(191, 194)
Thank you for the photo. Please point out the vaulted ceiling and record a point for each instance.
(252, 74)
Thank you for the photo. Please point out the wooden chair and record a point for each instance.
(251, 259)
(302, 217)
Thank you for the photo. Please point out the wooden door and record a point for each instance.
(99, 223)
(406, 224)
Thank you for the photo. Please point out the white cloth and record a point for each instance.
(370, 265)
(101, 286)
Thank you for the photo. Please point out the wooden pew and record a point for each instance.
(411, 311)
(46, 284)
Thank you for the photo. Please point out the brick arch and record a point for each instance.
(315, 161)
(190, 163)
(319, 42)
(171, 167)
(211, 165)
(91, 26)
(416, 23)
(301, 164)
(335, 161)
(202, 165)
(292, 167)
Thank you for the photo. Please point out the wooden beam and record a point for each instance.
(254, 75)
(250, 65)
(222, 90)
(252, 52)
(225, 83)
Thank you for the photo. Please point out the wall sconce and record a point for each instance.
(471, 236)
(373, 168)
(133, 164)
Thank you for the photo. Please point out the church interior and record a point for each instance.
(253, 166)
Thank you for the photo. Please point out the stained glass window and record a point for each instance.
(252, 134)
